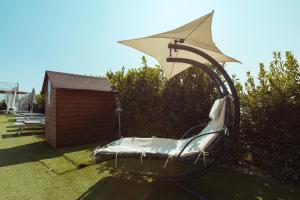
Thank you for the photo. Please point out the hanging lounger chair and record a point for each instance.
(168, 148)
(177, 50)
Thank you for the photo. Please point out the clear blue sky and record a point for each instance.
(81, 36)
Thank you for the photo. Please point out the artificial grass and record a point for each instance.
(68, 162)
(30, 169)
(59, 165)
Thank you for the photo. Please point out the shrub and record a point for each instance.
(139, 93)
(270, 118)
(154, 106)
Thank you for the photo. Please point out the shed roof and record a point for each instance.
(77, 82)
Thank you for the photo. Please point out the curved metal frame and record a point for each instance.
(220, 84)
(217, 65)
(214, 77)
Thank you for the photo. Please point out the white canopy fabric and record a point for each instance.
(171, 147)
(32, 99)
(196, 34)
(24, 101)
(10, 100)
(17, 102)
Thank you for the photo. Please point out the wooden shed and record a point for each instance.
(78, 109)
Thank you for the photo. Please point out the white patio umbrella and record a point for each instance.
(9, 100)
(32, 100)
(14, 100)
(196, 34)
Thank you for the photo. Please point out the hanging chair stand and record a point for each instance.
(232, 131)
(227, 134)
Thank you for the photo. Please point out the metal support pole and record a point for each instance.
(119, 110)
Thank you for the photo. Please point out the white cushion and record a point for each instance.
(216, 108)
(170, 146)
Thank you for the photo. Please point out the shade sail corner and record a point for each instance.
(196, 34)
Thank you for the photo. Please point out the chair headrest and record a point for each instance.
(216, 108)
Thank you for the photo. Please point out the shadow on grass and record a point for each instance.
(24, 133)
(116, 185)
(27, 131)
(16, 128)
(116, 188)
(122, 185)
(219, 184)
(33, 152)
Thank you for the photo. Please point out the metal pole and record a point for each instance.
(119, 110)
(119, 115)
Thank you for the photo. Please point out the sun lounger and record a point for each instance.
(20, 119)
(32, 114)
(28, 123)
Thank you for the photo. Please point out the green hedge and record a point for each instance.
(270, 110)
(270, 128)
(153, 106)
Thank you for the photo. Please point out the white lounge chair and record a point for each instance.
(194, 146)
(20, 119)
(28, 123)
(32, 114)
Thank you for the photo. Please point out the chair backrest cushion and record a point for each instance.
(216, 108)
(217, 115)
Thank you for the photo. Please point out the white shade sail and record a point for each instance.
(196, 34)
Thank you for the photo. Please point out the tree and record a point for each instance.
(270, 117)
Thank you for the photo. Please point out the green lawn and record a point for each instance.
(30, 169)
